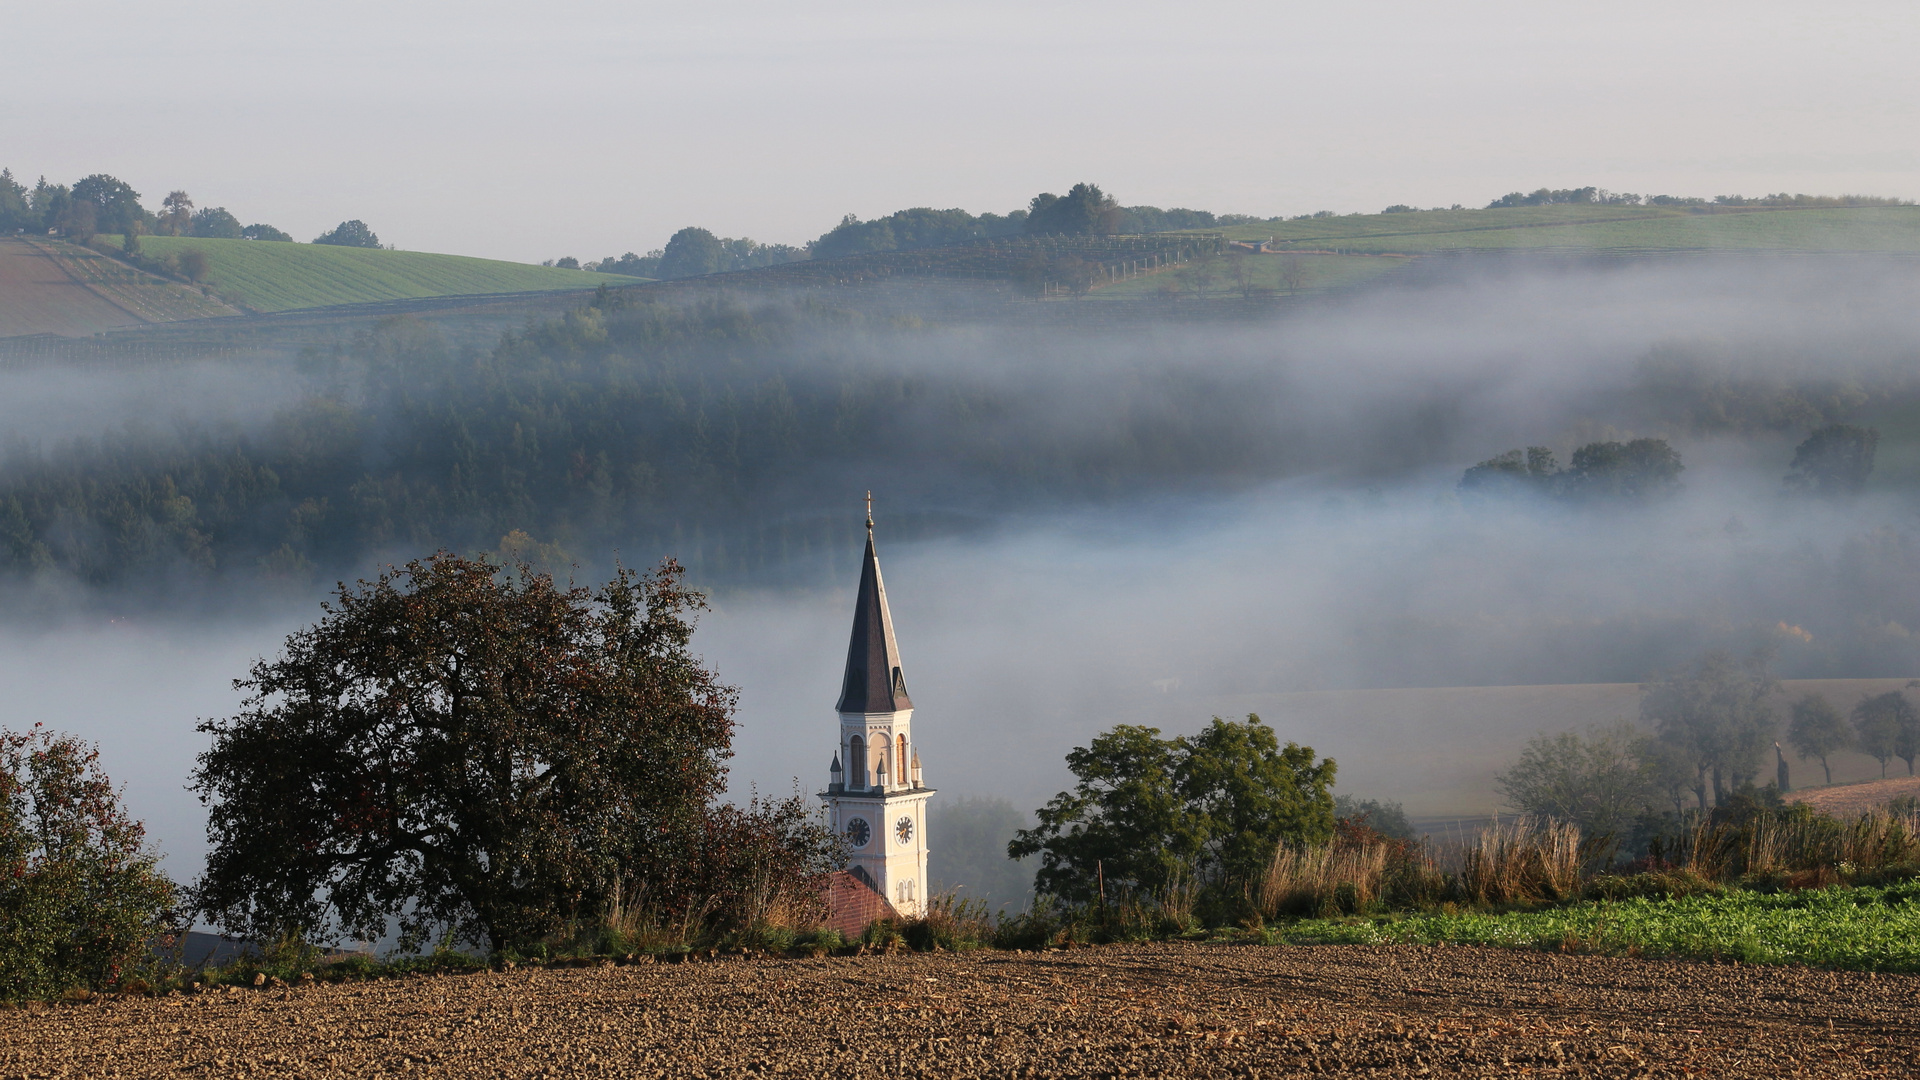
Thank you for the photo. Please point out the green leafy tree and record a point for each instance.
(176, 214)
(81, 898)
(1598, 781)
(1816, 729)
(1719, 714)
(1885, 727)
(455, 746)
(215, 222)
(1638, 471)
(1514, 472)
(353, 233)
(692, 252)
(16, 212)
(78, 221)
(48, 203)
(1084, 210)
(1152, 814)
(1835, 460)
(632, 265)
(264, 232)
(116, 206)
(1642, 469)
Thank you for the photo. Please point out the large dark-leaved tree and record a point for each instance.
(1151, 815)
(1084, 210)
(459, 747)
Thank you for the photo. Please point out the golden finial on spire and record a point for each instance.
(869, 515)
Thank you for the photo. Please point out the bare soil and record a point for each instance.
(38, 296)
(1148, 1010)
(1850, 800)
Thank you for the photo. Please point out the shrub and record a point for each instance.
(950, 923)
(80, 895)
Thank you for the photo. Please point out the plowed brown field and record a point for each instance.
(38, 297)
(1147, 1010)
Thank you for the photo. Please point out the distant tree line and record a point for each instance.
(1084, 210)
(1702, 744)
(1639, 470)
(1596, 196)
(1834, 461)
(104, 204)
(100, 203)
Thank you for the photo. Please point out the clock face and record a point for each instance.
(903, 829)
(859, 832)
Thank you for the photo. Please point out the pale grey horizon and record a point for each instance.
(512, 132)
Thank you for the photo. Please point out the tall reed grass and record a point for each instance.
(1522, 862)
(1322, 880)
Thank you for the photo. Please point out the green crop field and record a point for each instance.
(274, 276)
(1603, 228)
(1860, 929)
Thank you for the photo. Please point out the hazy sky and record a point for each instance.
(527, 131)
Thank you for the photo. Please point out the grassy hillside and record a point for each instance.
(1604, 228)
(269, 276)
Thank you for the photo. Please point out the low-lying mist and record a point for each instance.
(1082, 527)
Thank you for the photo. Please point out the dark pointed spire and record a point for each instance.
(873, 682)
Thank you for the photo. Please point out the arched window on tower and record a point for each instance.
(857, 764)
(904, 779)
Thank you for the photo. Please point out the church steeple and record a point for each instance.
(876, 796)
(873, 681)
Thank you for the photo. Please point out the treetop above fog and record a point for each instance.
(1640, 470)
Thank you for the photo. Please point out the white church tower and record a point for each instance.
(874, 796)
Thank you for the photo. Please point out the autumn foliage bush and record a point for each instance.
(81, 897)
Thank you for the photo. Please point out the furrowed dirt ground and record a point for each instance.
(1148, 1010)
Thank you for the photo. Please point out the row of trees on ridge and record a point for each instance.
(100, 203)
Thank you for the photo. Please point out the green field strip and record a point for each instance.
(1888, 229)
(1860, 929)
(277, 276)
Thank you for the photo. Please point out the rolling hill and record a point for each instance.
(269, 276)
(1602, 229)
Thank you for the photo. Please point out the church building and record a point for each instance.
(874, 796)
